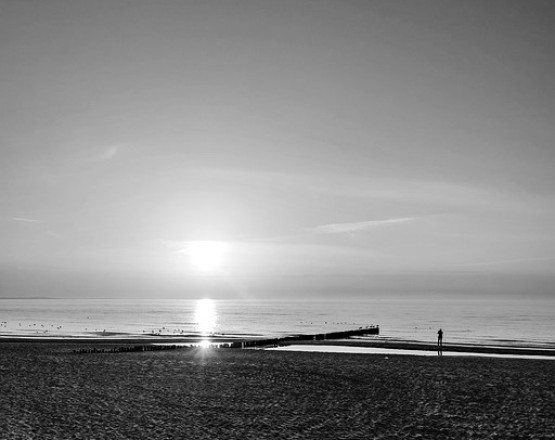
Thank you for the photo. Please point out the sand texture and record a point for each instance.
(48, 392)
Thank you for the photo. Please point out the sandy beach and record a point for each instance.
(49, 392)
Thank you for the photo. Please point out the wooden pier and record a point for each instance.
(286, 340)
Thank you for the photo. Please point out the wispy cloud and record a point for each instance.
(437, 193)
(96, 153)
(109, 152)
(26, 220)
(182, 246)
(53, 234)
(339, 228)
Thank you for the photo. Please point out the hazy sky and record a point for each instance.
(333, 147)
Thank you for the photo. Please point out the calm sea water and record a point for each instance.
(494, 320)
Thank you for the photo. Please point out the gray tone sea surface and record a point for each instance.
(464, 319)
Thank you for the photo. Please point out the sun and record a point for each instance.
(206, 255)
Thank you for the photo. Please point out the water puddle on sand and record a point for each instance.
(389, 351)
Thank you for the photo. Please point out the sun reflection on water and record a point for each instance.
(206, 316)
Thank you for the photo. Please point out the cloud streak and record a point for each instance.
(340, 228)
(181, 246)
(26, 220)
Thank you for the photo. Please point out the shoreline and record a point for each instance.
(345, 349)
(400, 344)
(395, 346)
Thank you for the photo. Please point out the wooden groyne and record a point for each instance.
(100, 346)
(370, 330)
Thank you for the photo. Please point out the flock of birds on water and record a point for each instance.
(43, 329)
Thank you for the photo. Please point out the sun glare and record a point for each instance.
(205, 344)
(206, 316)
(207, 255)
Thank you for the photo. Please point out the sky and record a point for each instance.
(324, 147)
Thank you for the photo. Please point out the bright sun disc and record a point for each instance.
(206, 255)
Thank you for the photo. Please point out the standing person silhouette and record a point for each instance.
(440, 342)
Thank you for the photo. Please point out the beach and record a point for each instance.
(48, 391)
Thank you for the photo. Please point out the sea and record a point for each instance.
(493, 321)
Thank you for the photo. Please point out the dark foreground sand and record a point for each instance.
(48, 392)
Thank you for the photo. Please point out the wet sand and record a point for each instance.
(399, 351)
(49, 392)
(400, 346)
